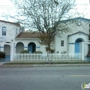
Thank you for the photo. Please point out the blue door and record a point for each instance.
(77, 48)
(30, 48)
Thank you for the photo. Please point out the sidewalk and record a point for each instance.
(1, 63)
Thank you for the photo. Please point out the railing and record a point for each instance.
(45, 58)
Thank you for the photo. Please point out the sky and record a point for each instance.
(82, 6)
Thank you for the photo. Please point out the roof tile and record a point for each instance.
(28, 35)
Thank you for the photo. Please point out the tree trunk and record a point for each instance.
(48, 53)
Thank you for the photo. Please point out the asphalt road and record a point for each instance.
(44, 78)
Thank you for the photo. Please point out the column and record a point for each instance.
(12, 51)
(83, 51)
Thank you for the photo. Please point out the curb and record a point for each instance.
(44, 65)
(60, 65)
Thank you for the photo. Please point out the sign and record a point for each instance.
(85, 86)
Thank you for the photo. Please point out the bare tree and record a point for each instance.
(44, 16)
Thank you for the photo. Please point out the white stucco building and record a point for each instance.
(13, 39)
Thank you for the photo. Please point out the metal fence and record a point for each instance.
(46, 58)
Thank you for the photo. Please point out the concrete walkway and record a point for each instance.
(1, 63)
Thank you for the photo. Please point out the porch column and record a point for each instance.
(82, 51)
(12, 51)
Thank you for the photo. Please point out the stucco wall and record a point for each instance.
(72, 40)
(69, 42)
(58, 47)
(10, 31)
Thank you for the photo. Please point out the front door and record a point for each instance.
(7, 50)
(77, 48)
(30, 48)
(78, 45)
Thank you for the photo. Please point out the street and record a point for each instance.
(44, 78)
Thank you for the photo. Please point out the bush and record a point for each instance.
(25, 51)
(50, 50)
(38, 52)
(2, 54)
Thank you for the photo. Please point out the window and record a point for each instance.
(62, 42)
(3, 30)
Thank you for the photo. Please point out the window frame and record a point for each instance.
(3, 31)
(62, 42)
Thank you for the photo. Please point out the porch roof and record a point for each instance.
(28, 35)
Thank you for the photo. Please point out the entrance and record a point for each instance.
(78, 45)
(7, 50)
(19, 47)
(31, 47)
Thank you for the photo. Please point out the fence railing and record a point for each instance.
(46, 58)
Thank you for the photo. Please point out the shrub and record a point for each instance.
(38, 52)
(2, 54)
(88, 55)
(25, 51)
(50, 50)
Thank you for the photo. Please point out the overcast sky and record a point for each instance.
(83, 6)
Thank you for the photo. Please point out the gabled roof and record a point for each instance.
(77, 33)
(10, 22)
(75, 19)
(28, 35)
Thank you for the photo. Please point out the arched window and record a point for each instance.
(3, 30)
(19, 47)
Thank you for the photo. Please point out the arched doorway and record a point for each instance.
(7, 50)
(19, 47)
(31, 47)
(78, 45)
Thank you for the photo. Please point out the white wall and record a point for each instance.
(72, 40)
(10, 31)
(58, 46)
(9, 38)
(13, 30)
(73, 28)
